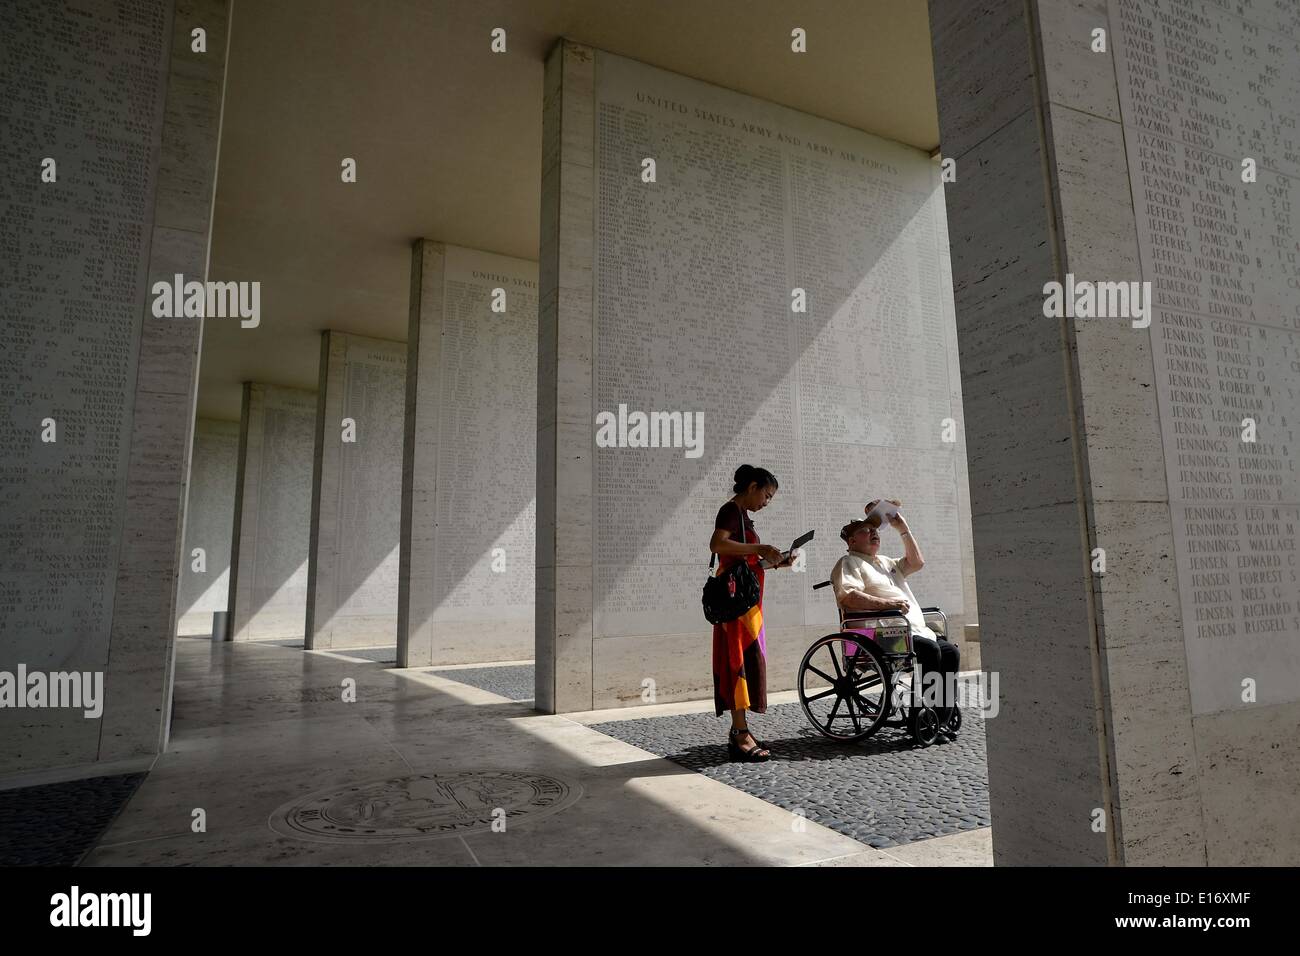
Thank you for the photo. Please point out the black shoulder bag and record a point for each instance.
(728, 596)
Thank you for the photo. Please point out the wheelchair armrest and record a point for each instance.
(862, 615)
(942, 629)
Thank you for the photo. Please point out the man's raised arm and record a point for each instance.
(912, 561)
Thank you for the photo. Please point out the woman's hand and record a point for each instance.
(770, 554)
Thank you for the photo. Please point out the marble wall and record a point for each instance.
(93, 510)
(1200, 88)
(469, 473)
(1225, 330)
(356, 493)
(679, 296)
(209, 521)
(269, 545)
(1105, 681)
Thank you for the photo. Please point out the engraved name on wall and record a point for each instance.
(209, 518)
(81, 85)
(370, 478)
(1201, 89)
(486, 500)
(271, 599)
(694, 279)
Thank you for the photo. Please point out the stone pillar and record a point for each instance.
(118, 194)
(1122, 696)
(269, 544)
(753, 308)
(209, 520)
(356, 493)
(564, 632)
(465, 591)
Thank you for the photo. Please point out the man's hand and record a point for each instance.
(899, 523)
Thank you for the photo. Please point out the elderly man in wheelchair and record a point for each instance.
(876, 678)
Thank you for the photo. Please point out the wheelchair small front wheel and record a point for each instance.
(844, 686)
(924, 725)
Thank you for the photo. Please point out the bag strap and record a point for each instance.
(713, 555)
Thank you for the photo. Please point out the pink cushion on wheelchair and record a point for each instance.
(849, 647)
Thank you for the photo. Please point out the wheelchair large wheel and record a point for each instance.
(844, 686)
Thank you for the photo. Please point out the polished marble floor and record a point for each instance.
(263, 730)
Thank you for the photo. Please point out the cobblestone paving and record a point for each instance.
(514, 681)
(884, 791)
(56, 824)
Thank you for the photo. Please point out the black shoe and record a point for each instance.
(950, 724)
(755, 754)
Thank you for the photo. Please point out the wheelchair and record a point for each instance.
(866, 677)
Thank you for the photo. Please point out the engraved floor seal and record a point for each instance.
(423, 807)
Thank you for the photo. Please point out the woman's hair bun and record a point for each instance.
(747, 475)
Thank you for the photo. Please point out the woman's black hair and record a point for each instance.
(748, 474)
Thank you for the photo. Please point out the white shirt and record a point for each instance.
(878, 577)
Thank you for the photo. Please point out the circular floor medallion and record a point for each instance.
(423, 806)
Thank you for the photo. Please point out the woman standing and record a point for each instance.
(740, 646)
